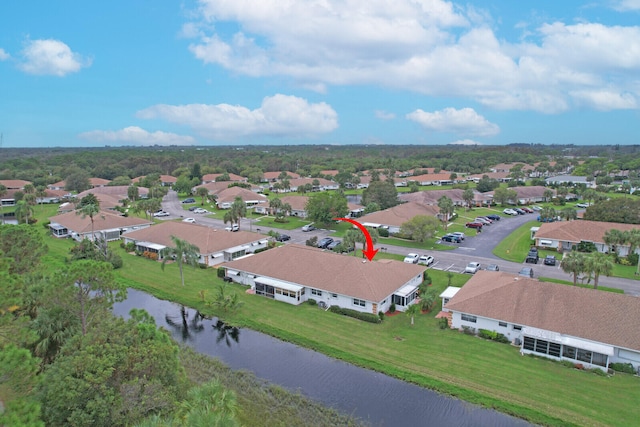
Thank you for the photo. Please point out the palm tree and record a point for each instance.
(632, 237)
(446, 210)
(411, 311)
(275, 204)
(613, 238)
(547, 194)
(237, 212)
(23, 210)
(354, 235)
(548, 214)
(183, 252)
(568, 214)
(41, 193)
(202, 192)
(573, 263)
(89, 210)
(598, 263)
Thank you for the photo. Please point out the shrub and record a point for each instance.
(266, 248)
(381, 315)
(468, 330)
(115, 260)
(367, 317)
(130, 247)
(312, 241)
(202, 265)
(150, 255)
(443, 323)
(501, 338)
(633, 259)
(487, 334)
(311, 301)
(627, 368)
(221, 272)
(598, 371)
(46, 224)
(383, 232)
(392, 307)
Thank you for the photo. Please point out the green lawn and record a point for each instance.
(516, 245)
(291, 224)
(475, 370)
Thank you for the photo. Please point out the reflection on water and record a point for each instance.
(226, 333)
(184, 324)
(371, 396)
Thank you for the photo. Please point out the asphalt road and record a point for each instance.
(476, 248)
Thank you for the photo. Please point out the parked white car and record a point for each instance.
(161, 213)
(460, 234)
(189, 220)
(412, 258)
(200, 211)
(509, 211)
(472, 268)
(233, 227)
(426, 260)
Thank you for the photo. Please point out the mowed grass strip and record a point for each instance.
(516, 245)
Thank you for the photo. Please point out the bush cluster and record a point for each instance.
(493, 335)
(150, 255)
(443, 323)
(383, 232)
(627, 368)
(468, 330)
(221, 272)
(266, 248)
(311, 301)
(367, 317)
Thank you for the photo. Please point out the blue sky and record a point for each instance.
(219, 72)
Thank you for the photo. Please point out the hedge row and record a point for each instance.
(367, 317)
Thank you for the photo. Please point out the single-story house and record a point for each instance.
(227, 196)
(498, 176)
(441, 178)
(274, 176)
(570, 179)
(549, 319)
(321, 185)
(294, 274)
(506, 167)
(14, 184)
(52, 196)
(216, 246)
(211, 177)
(563, 235)
(528, 195)
(355, 210)
(394, 217)
(98, 182)
(106, 224)
(165, 180)
(432, 197)
(60, 185)
(366, 180)
(118, 191)
(298, 206)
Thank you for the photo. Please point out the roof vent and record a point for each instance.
(364, 261)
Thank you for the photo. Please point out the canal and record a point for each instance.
(376, 398)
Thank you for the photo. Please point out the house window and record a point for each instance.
(334, 295)
(359, 302)
(517, 327)
(502, 324)
(469, 318)
(316, 292)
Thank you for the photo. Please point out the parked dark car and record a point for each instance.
(331, 246)
(526, 209)
(322, 244)
(282, 237)
(550, 260)
(474, 225)
(452, 238)
(193, 208)
(189, 200)
(520, 211)
(532, 256)
(494, 217)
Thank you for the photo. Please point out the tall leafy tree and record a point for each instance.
(573, 263)
(237, 211)
(598, 263)
(323, 207)
(569, 214)
(24, 245)
(41, 192)
(183, 252)
(87, 290)
(133, 193)
(77, 181)
(354, 235)
(420, 227)
(548, 214)
(23, 211)
(613, 238)
(3, 192)
(632, 237)
(384, 193)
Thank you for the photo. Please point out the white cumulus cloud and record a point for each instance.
(278, 115)
(51, 57)
(137, 135)
(463, 122)
(626, 5)
(465, 142)
(4, 55)
(432, 47)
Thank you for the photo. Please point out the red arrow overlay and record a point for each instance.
(369, 252)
